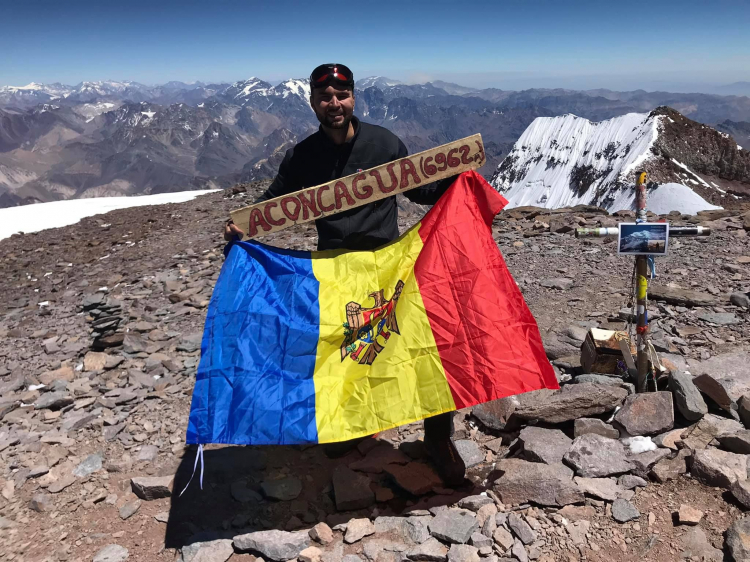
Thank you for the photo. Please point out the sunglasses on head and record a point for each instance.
(326, 74)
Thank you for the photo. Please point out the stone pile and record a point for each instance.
(105, 317)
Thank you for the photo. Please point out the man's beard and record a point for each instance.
(330, 122)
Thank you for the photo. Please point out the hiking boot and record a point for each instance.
(446, 459)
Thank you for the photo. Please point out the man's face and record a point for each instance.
(333, 107)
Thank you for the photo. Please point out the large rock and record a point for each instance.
(283, 489)
(351, 489)
(583, 426)
(646, 413)
(716, 391)
(669, 469)
(130, 509)
(95, 361)
(571, 402)
(111, 553)
(737, 443)
(378, 458)
(503, 538)
(273, 545)
(321, 533)
(720, 318)
(88, 466)
(495, 414)
(475, 503)
(731, 370)
(695, 546)
(152, 487)
(412, 529)
(463, 553)
(219, 550)
(601, 488)
(453, 526)
(357, 529)
(741, 490)
(469, 451)
(544, 445)
(53, 401)
(624, 511)
(743, 409)
(594, 456)
(521, 529)
(706, 430)
(738, 539)
(431, 550)
(688, 515)
(417, 478)
(643, 462)
(543, 484)
(715, 467)
(605, 380)
(681, 297)
(687, 397)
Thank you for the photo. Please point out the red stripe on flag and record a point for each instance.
(488, 340)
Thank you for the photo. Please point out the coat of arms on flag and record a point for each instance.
(318, 347)
(367, 330)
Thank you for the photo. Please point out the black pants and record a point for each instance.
(439, 427)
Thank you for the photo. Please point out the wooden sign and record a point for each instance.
(361, 188)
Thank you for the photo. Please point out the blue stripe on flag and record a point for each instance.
(254, 384)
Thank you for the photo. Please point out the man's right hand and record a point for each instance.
(232, 232)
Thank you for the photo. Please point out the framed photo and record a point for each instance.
(646, 238)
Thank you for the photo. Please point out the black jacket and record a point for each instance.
(317, 160)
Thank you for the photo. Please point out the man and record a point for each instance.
(343, 146)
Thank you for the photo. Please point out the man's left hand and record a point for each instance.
(232, 231)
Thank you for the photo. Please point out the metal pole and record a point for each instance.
(641, 266)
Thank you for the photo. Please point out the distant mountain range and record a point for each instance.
(125, 138)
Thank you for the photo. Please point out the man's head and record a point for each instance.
(332, 95)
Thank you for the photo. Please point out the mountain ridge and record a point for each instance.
(126, 138)
(568, 160)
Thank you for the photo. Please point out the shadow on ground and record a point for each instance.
(238, 481)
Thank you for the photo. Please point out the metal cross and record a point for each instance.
(641, 267)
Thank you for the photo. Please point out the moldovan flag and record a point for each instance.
(316, 347)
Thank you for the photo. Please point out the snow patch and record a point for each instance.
(33, 218)
(639, 444)
(665, 198)
(681, 165)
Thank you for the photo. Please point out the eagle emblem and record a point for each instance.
(367, 330)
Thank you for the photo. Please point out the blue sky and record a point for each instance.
(679, 46)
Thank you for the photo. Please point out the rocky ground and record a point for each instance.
(100, 324)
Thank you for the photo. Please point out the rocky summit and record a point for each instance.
(100, 334)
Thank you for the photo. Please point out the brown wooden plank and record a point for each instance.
(361, 188)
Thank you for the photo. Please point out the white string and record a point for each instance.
(198, 455)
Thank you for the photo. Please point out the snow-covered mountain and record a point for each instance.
(254, 89)
(32, 94)
(377, 81)
(568, 160)
(299, 87)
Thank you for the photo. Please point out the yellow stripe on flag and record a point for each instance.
(406, 380)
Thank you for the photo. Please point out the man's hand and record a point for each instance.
(232, 231)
